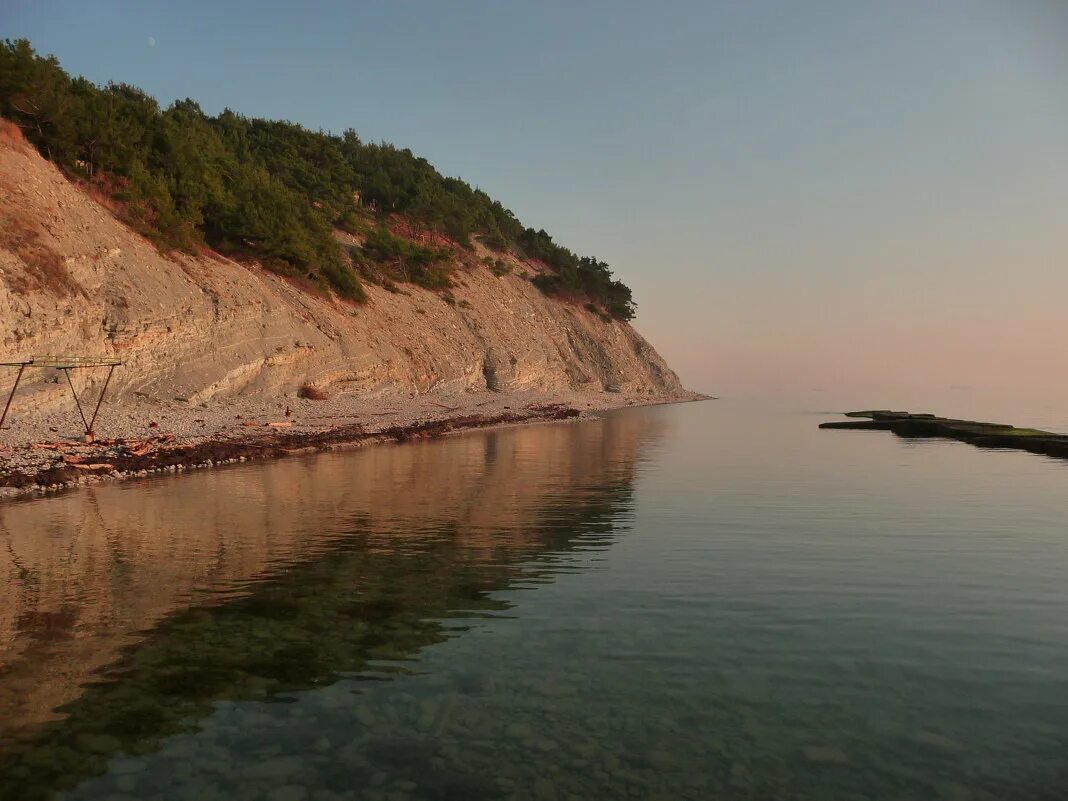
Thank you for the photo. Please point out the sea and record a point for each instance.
(712, 600)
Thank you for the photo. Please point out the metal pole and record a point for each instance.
(77, 402)
(10, 397)
(100, 400)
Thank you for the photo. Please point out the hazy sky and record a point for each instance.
(863, 199)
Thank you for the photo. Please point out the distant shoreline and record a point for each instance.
(35, 462)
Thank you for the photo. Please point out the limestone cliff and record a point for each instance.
(74, 280)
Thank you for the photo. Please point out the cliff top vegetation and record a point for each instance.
(266, 189)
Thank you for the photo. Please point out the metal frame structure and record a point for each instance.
(66, 364)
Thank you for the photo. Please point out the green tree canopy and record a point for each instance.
(268, 189)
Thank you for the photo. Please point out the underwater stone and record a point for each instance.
(126, 783)
(519, 731)
(661, 760)
(290, 792)
(97, 743)
(740, 776)
(824, 755)
(274, 769)
(428, 711)
(544, 790)
(125, 767)
(938, 741)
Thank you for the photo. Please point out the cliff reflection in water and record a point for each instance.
(128, 612)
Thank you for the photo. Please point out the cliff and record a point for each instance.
(75, 280)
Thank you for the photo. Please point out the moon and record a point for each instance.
(151, 41)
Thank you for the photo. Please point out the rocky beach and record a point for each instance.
(43, 452)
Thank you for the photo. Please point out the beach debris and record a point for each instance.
(65, 364)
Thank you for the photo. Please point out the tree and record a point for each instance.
(268, 189)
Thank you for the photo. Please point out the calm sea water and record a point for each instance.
(690, 602)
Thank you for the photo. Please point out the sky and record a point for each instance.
(834, 200)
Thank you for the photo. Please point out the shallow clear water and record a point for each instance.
(689, 602)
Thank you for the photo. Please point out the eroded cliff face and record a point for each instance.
(74, 280)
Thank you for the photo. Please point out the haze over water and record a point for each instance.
(685, 602)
